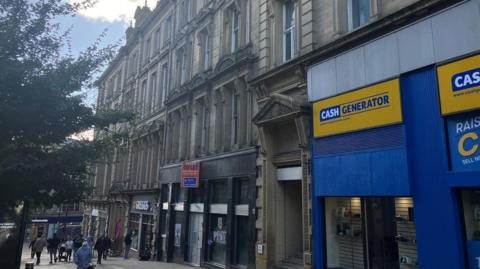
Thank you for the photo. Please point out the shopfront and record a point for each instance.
(396, 178)
(211, 223)
(141, 224)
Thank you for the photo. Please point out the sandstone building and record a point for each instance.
(223, 84)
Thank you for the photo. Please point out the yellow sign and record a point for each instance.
(369, 107)
(459, 85)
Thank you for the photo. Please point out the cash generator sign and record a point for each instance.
(369, 107)
(459, 85)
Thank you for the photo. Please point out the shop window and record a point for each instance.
(358, 13)
(146, 240)
(197, 194)
(179, 194)
(134, 228)
(217, 239)
(219, 192)
(241, 191)
(370, 233)
(471, 218)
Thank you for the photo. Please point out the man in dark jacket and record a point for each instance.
(53, 247)
(100, 247)
(128, 243)
(108, 245)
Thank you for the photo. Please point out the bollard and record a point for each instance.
(29, 265)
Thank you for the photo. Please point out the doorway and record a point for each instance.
(381, 231)
(289, 213)
(195, 236)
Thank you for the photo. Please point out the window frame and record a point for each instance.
(234, 30)
(290, 30)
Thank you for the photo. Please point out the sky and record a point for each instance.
(111, 15)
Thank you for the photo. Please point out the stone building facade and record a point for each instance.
(223, 83)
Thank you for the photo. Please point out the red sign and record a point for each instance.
(191, 175)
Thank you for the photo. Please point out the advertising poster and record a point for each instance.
(464, 140)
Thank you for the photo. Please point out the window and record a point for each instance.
(204, 137)
(288, 30)
(134, 228)
(234, 31)
(167, 30)
(182, 65)
(471, 217)
(143, 97)
(164, 84)
(153, 91)
(205, 49)
(157, 39)
(358, 13)
(370, 232)
(234, 118)
(147, 50)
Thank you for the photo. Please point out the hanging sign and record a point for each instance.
(464, 140)
(190, 175)
(459, 85)
(373, 106)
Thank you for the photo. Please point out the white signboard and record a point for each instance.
(142, 205)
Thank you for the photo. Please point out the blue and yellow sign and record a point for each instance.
(459, 85)
(369, 107)
(464, 138)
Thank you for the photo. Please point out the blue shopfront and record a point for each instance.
(396, 156)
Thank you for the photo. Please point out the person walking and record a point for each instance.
(83, 256)
(128, 243)
(100, 247)
(53, 247)
(38, 246)
(77, 243)
(69, 247)
(108, 245)
(31, 247)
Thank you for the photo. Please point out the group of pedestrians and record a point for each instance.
(82, 249)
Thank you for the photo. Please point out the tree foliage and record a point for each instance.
(40, 106)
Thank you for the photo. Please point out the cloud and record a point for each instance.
(114, 10)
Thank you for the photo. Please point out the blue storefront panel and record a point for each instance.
(423, 164)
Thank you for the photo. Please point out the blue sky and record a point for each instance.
(87, 25)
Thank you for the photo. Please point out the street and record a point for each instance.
(111, 263)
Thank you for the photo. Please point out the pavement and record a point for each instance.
(110, 263)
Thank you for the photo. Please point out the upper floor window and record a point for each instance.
(164, 83)
(288, 30)
(358, 13)
(148, 47)
(234, 32)
(167, 30)
(205, 49)
(234, 118)
(181, 65)
(157, 39)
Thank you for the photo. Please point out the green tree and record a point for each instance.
(40, 106)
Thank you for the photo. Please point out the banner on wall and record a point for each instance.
(459, 85)
(190, 175)
(464, 140)
(369, 107)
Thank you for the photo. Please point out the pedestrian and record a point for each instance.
(100, 247)
(53, 247)
(38, 247)
(83, 256)
(128, 243)
(77, 243)
(31, 247)
(69, 247)
(108, 245)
